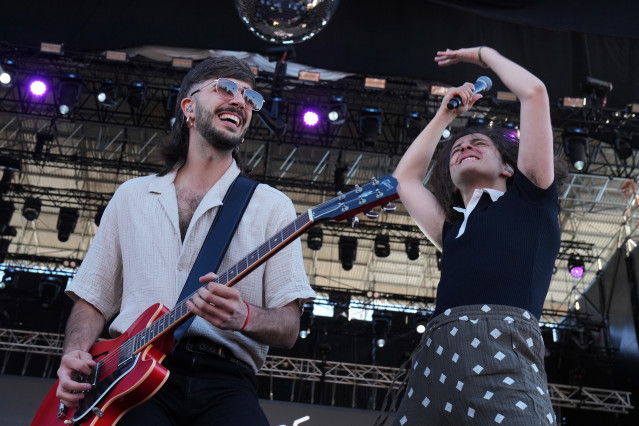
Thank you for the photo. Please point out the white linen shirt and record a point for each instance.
(137, 257)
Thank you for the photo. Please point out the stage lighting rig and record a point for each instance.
(382, 245)
(67, 220)
(382, 322)
(108, 94)
(576, 266)
(575, 140)
(623, 148)
(337, 111)
(370, 125)
(270, 117)
(315, 238)
(597, 89)
(412, 248)
(347, 251)
(69, 90)
(38, 87)
(31, 208)
(311, 117)
(7, 75)
(136, 95)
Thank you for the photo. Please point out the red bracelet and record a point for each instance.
(247, 316)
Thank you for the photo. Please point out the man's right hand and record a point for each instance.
(74, 364)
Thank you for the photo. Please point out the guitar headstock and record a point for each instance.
(376, 192)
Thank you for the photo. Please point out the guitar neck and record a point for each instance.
(345, 205)
(229, 278)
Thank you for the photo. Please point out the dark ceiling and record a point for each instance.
(560, 41)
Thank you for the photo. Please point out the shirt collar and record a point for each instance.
(494, 195)
(163, 183)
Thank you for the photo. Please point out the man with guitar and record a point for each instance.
(147, 242)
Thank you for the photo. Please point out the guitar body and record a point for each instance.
(126, 389)
(129, 368)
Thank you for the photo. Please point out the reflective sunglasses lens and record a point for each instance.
(227, 87)
(253, 99)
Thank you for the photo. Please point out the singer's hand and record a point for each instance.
(451, 57)
(468, 99)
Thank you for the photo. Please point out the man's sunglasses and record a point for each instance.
(229, 89)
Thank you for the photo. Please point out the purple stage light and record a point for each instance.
(512, 135)
(311, 118)
(576, 266)
(38, 88)
(577, 271)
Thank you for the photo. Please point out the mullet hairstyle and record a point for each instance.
(441, 184)
(175, 150)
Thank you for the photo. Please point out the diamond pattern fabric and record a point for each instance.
(478, 365)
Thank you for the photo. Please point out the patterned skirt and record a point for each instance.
(478, 365)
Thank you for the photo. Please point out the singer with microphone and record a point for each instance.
(491, 207)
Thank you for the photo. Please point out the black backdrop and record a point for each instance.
(562, 42)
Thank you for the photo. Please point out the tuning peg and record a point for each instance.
(389, 207)
(372, 214)
(340, 195)
(375, 181)
(358, 188)
(354, 221)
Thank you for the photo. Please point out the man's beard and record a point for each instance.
(214, 136)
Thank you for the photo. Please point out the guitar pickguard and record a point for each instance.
(101, 387)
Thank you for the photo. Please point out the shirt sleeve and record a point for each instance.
(285, 278)
(99, 278)
(529, 192)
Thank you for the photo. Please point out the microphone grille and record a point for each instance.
(487, 81)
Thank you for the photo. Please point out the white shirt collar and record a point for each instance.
(494, 195)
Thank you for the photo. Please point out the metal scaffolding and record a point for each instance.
(330, 372)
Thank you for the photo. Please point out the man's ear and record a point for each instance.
(187, 106)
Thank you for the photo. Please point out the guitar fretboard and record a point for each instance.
(340, 207)
(180, 311)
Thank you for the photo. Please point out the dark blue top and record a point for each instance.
(507, 252)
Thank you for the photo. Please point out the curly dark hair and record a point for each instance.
(175, 150)
(507, 144)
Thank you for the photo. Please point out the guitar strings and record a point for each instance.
(110, 361)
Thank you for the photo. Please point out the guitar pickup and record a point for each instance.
(88, 378)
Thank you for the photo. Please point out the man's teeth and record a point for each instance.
(232, 118)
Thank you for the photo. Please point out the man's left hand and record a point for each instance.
(218, 304)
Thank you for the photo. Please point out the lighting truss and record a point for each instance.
(338, 373)
(586, 398)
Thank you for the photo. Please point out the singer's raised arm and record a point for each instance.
(536, 159)
(420, 203)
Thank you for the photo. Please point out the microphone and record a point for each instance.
(483, 84)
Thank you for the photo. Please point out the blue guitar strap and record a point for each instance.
(218, 239)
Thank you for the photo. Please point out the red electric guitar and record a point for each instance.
(129, 369)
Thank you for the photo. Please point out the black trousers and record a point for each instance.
(201, 390)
